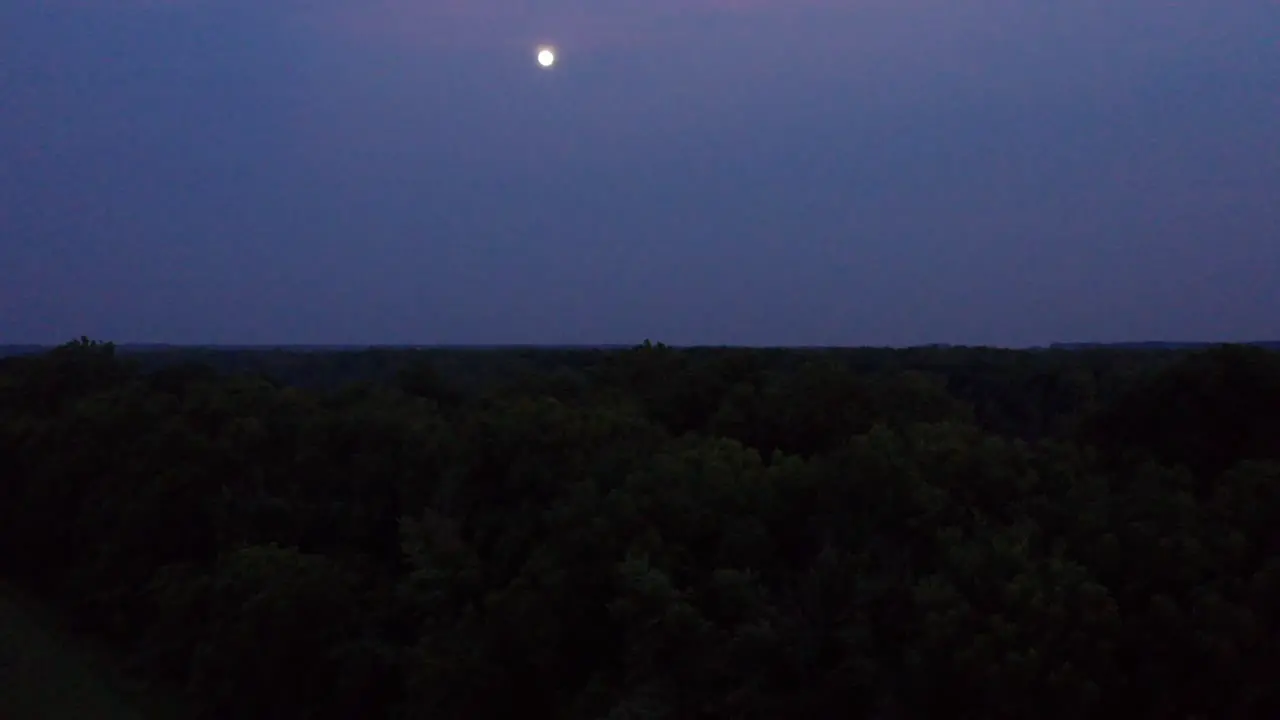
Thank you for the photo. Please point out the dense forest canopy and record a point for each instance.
(651, 532)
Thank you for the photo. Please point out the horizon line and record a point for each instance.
(143, 345)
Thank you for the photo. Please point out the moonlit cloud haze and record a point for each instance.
(697, 172)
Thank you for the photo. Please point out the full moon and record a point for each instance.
(546, 57)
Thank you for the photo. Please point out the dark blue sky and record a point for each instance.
(693, 171)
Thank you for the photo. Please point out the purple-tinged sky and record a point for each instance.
(692, 171)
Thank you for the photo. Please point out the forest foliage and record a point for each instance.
(657, 532)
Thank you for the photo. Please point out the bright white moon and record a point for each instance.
(546, 57)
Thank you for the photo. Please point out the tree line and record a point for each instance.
(659, 533)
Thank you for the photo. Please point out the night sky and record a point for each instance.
(754, 172)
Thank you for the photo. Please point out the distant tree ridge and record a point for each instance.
(653, 532)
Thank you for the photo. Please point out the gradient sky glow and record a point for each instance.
(753, 172)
